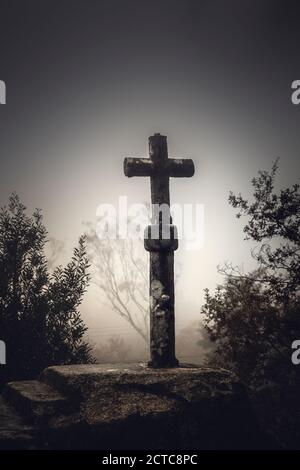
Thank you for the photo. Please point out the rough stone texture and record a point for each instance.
(133, 406)
(35, 399)
(14, 432)
(162, 319)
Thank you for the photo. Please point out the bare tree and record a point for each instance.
(120, 270)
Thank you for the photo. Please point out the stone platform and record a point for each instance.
(131, 406)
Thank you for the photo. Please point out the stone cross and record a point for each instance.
(161, 247)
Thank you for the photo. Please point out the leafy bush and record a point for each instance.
(39, 317)
(254, 318)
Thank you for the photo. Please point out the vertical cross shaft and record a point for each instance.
(162, 319)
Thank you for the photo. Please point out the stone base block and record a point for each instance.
(131, 406)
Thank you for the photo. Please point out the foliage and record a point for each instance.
(252, 334)
(254, 318)
(274, 218)
(39, 317)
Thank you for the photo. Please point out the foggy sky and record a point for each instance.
(88, 81)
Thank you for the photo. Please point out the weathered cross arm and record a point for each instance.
(138, 167)
(180, 167)
(173, 167)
